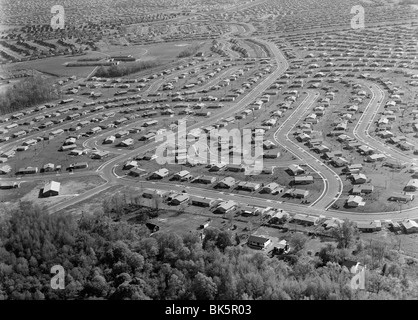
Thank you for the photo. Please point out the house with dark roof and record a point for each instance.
(258, 242)
(205, 180)
(202, 202)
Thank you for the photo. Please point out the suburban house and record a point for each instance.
(217, 166)
(305, 219)
(226, 183)
(295, 169)
(126, 143)
(136, 172)
(205, 180)
(355, 201)
(359, 178)
(76, 152)
(5, 169)
(365, 150)
(109, 140)
(249, 210)
(272, 188)
(303, 137)
(258, 242)
(376, 157)
(401, 197)
(332, 223)
(234, 168)
(303, 180)
(354, 168)
(297, 193)
(159, 174)
(226, 206)
(9, 185)
(49, 167)
(79, 165)
(412, 185)
(99, 154)
(51, 189)
(366, 226)
(248, 186)
(68, 147)
(130, 164)
(362, 189)
(28, 170)
(410, 226)
(183, 175)
(202, 202)
(153, 193)
(282, 247)
(179, 199)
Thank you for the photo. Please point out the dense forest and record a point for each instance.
(104, 259)
(126, 69)
(27, 93)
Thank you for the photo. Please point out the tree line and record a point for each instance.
(189, 51)
(28, 93)
(126, 69)
(107, 259)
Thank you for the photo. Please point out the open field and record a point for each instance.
(30, 190)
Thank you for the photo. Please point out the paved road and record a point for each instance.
(331, 179)
(332, 182)
(361, 130)
(107, 169)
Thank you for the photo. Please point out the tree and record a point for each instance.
(298, 241)
(223, 240)
(204, 287)
(344, 233)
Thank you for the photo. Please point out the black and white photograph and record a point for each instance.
(209, 155)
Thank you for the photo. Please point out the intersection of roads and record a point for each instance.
(332, 182)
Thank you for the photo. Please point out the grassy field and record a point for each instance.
(30, 190)
(162, 51)
(56, 66)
